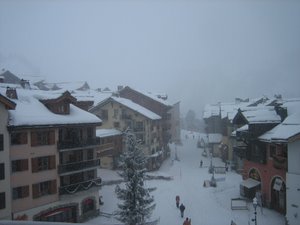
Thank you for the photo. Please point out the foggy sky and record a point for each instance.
(196, 51)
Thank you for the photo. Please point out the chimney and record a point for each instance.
(11, 93)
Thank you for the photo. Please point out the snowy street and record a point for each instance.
(204, 205)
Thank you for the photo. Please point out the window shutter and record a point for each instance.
(33, 139)
(34, 165)
(24, 164)
(51, 137)
(24, 138)
(35, 190)
(25, 191)
(52, 162)
(53, 187)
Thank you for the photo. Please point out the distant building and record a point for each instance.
(121, 113)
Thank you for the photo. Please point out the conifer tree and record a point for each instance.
(136, 203)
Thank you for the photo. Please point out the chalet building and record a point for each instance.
(121, 113)
(259, 172)
(284, 142)
(218, 119)
(110, 147)
(53, 158)
(158, 104)
(5, 190)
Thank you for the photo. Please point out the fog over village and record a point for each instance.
(111, 109)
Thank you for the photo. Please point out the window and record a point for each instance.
(90, 154)
(104, 114)
(18, 138)
(116, 113)
(2, 200)
(139, 126)
(116, 124)
(44, 188)
(42, 138)
(43, 163)
(20, 192)
(2, 171)
(1, 142)
(90, 132)
(19, 165)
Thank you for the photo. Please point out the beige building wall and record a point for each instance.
(22, 178)
(4, 158)
(115, 118)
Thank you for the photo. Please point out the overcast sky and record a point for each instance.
(198, 52)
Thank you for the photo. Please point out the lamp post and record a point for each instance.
(254, 206)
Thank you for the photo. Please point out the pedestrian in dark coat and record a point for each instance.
(182, 208)
(177, 199)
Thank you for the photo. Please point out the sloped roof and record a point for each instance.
(289, 128)
(137, 108)
(259, 115)
(107, 132)
(154, 96)
(31, 112)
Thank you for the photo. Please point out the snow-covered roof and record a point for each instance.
(155, 96)
(250, 183)
(30, 111)
(137, 108)
(107, 132)
(262, 114)
(211, 110)
(289, 128)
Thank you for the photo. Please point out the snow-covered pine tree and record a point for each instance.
(136, 202)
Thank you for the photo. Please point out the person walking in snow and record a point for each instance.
(186, 222)
(182, 208)
(201, 163)
(177, 199)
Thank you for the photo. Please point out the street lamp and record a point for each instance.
(254, 206)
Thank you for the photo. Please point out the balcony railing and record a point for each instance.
(279, 162)
(76, 143)
(107, 146)
(64, 168)
(82, 186)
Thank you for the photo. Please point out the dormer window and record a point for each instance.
(60, 105)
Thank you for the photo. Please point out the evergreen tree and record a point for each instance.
(136, 203)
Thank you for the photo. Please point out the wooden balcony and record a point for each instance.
(78, 166)
(82, 186)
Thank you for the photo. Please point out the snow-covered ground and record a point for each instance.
(204, 205)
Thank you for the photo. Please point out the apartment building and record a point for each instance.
(53, 158)
(121, 113)
(5, 191)
(157, 103)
